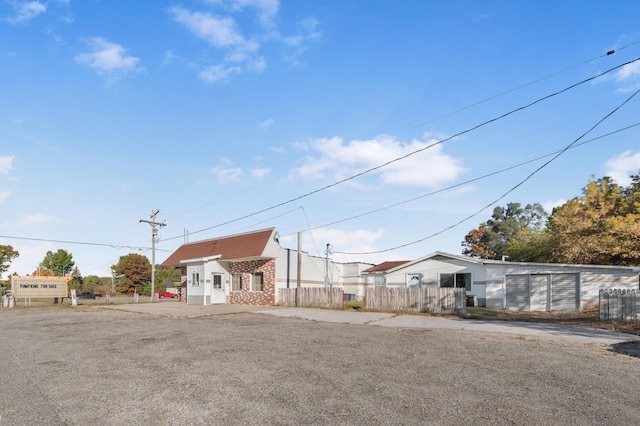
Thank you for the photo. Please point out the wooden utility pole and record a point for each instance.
(154, 233)
(299, 266)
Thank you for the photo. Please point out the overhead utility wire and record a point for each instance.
(457, 185)
(566, 148)
(309, 228)
(115, 246)
(608, 53)
(513, 111)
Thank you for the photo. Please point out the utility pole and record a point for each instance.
(327, 279)
(299, 277)
(154, 233)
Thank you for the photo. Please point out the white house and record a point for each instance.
(518, 286)
(249, 268)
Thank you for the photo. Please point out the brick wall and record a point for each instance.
(248, 297)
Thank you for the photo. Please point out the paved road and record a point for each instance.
(570, 333)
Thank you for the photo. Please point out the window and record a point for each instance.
(217, 281)
(257, 281)
(236, 284)
(456, 280)
(195, 279)
(379, 280)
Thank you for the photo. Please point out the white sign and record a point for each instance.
(38, 287)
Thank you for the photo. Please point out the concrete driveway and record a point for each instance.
(577, 334)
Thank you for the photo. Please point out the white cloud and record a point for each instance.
(216, 73)
(346, 241)
(259, 172)
(4, 195)
(6, 164)
(26, 10)
(221, 33)
(226, 175)
(620, 168)
(217, 31)
(548, 206)
(108, 58)
(34, 219)
(269, 122)
(629, 71)
(337, 160)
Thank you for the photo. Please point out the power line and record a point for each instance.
(608, 53)
(566, 148)
(484, 123)
(457, 185)
(85, 243)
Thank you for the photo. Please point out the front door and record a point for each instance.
(217, 290)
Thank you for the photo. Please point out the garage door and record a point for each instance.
(564, 292)
(517, 292)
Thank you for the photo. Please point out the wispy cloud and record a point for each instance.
(34, 219)
(226, 174)
(238, 52)
(217, 31)
(4, 195)
(25, 11)
(6, 164)
(269, 122)
(259, 172)
(108, 58)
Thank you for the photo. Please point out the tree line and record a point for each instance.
(131, 274)
(602, 226)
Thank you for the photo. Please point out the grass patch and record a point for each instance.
(354, 305)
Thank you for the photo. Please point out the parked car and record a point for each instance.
(166, 294)
(88, 295)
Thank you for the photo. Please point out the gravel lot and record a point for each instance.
(64, 366)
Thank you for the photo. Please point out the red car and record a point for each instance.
(166, 294)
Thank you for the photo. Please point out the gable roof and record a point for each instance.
(239, 246)
(385, 266)
(434, 255)
(477, 261)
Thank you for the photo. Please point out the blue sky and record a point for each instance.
(235, 115)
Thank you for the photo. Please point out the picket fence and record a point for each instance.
(620, 305)
(434, 300)
(312, 296)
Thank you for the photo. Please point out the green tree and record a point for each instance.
(492, 239)
(136, 270)
(58, 263)
(166, 274)
(530, 245)
(76, 280)
(7, 254)
(600, 227)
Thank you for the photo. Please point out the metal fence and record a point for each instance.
(434, 300)
(312, 296)
(620, 305)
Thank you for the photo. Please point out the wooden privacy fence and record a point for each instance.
(620, 305)
(434, 300)
(312, 296)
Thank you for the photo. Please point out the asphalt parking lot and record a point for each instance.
(168, 363)
(174, 309)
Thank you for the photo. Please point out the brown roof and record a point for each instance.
(385, 266)
(240, 246)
